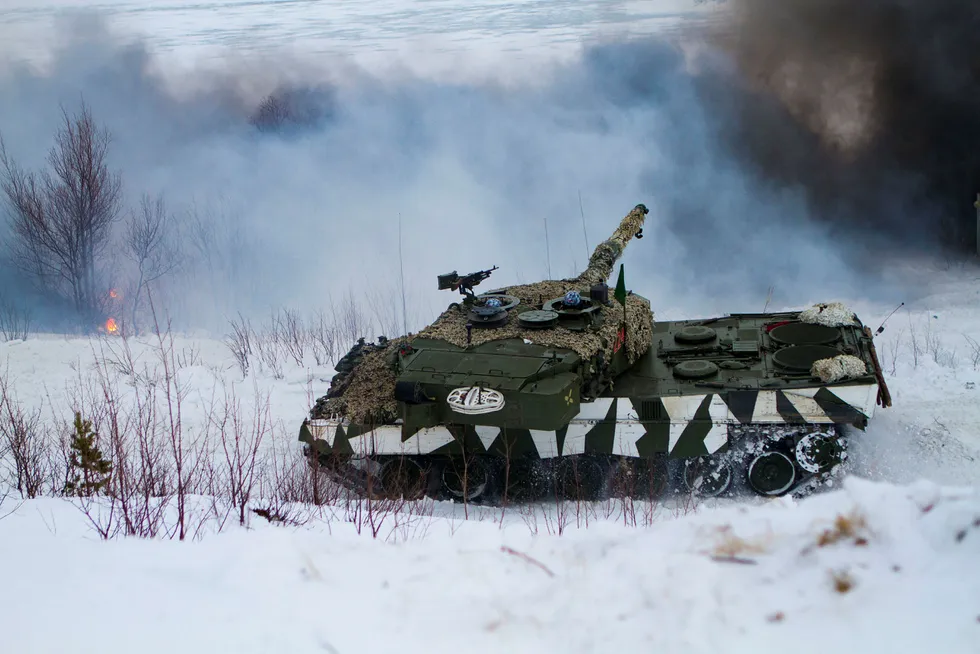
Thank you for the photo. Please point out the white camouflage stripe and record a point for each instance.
(808, 405)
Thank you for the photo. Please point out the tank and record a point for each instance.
(569, 388)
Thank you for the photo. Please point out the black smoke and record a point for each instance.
(871, 107)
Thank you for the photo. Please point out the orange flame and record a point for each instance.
(110, 326)
(113, 293)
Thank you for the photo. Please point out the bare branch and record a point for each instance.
(150, 243)
(15, 321)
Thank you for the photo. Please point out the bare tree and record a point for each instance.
(221, 253)
(272, 114)
(21, 436)
(15, 321)
(323, 339)
(62, 217)
(150, 244)
(285, 108)
(384, 306)
(351, 322)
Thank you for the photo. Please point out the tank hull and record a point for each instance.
(744, 422)
(681, 427)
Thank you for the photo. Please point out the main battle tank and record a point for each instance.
(569, 388)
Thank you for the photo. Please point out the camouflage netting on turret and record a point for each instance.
(451, 325)
(368, 392)
(364, 393)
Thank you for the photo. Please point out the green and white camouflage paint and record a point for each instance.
(657, 407)
(687, 422)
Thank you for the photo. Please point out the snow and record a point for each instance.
(730, 575)
(833, 314)
(840, 367)
(48, 372)
(603, 588)
(932, 370)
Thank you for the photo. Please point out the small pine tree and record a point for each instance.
(89, 470)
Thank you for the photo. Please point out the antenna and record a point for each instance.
(547, 243)
(882, 327)
(588, 250)
(401, 274)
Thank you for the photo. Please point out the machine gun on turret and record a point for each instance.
(465, 283)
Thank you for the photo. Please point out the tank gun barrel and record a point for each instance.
(607, 253)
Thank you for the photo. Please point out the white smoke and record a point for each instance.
(476, 172)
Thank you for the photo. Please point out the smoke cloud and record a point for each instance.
(754, 177)
(872, 108)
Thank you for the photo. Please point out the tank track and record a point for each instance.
(767, 460)
(771, 460)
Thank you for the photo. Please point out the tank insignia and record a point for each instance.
(474, 400)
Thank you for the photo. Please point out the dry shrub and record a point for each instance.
(729, 545)
(851, 526)
(15, 320)
(842, 581)
(282, 515)
(23, 448)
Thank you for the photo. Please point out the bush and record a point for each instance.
(89, 471)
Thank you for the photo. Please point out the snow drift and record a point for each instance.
(872, 567)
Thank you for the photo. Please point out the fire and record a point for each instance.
(113, 293)
(110, 326)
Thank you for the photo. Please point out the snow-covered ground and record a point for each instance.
(930, 354)
(870, 568)
(886, 563)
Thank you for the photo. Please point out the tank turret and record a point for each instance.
(563, 387)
